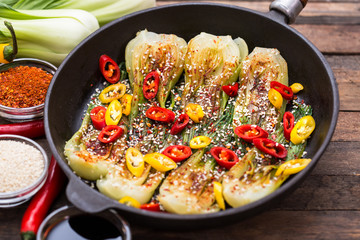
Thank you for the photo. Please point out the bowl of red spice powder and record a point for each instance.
(23, 86)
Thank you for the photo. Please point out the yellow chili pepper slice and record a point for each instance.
(112, 92)
(113, 113)
(275, 98)
(296, 87)
(135, 161)
(160, 162)
(302, 129)
(218, 195)
(126, 104)
(129, 201)
(292, 166)
(3, 47)
(200, 142)
(195, 112)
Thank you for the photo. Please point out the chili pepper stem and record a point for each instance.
(29, 235)
(15, 47)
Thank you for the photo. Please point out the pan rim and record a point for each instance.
(286, 187)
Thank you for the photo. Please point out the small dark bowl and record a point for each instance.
(30, 113)
(66, 212)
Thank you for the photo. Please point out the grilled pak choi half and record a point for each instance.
(148, 52)
(244, 183)
(189, 188)
(252, 105)
(120, 182)
(250, 179)
(86, 155)
(211, 62)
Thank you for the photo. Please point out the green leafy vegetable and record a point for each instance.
(46, 34)
(189, 189)
(87, 156)
(120, 182)
(252, 106)
(211, 62)
(150, 51)
(244, 184)
(104, 10)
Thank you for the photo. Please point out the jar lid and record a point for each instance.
(68, 222)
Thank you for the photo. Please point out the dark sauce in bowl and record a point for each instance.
(70, 223)
(83, 227)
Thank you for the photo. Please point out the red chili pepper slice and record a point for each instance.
(249, 132)
(177, 153)
(270, 147)
(288, 121)
(284, 90)
(231, 90)
(97, 116)
(224, 157)
(110, 133)
(160, 114)
(151, 85)
(180, 124)
(109, 69)
(155, 207)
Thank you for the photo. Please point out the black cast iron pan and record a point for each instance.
(78, 76)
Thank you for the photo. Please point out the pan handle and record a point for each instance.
(85, 199)
(290, 8)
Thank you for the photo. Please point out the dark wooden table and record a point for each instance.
(327, 203)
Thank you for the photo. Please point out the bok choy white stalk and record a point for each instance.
(104, 10)
(46, 34)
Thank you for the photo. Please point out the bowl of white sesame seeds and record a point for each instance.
(24, 168)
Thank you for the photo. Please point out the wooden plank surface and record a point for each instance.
(327, 204)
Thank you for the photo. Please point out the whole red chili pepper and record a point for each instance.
(180, 124)
(231, 90)
(284, 90)
(110, 133)
(270, 147)
(41, 202)
(288, 121)
(109, 69)
(249, 132)
(151, 84)
(31, 129)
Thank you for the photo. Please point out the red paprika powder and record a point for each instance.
(23, 86)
